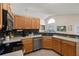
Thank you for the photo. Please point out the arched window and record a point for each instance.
(51, 20)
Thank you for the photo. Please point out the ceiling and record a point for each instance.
(46, 8)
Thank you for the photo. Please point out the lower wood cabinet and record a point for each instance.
(27, 45)
(68, 48)
(56, 45)
(64, 47)
(47, 42)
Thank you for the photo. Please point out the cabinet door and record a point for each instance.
(5, 6)
(28, 24)
(0, 16)
(47, 42)
(35, 23)
(19, 22)
(27, 45)
(56, 44)
(68, 48)
(38, 23)
(22, 22)
(10, 10)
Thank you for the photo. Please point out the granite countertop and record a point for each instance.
(66, 38)
(15, 39)
(16, 53)
(35, 36)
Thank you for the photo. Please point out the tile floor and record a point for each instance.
(43, 53)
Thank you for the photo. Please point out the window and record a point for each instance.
(51, 20)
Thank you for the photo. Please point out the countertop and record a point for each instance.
(16, 53)
(35, 36)
(66, 38)
(13, 40)
(20, 38)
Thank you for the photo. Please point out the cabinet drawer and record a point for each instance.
(69, 42)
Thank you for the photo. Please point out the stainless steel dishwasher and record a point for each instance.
(36, 43)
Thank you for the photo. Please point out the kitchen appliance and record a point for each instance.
(10, 47)
(7, 21)
(36, 43)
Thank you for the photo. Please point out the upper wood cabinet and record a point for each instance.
(19, 22)
(0, 16)
(38, 23)
(35, 23)
(5, 6)
(10, 10)
(28, 22)
(8, 7)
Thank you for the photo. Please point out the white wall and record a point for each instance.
(67, 21)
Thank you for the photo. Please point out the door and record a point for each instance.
(68, 48)
(35, 23)
(19, 22)
(58, 45)
(27, 45)
(47, 42)
(28, 24)
(5, 6)
(38, 23)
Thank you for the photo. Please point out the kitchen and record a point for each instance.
(30, 29)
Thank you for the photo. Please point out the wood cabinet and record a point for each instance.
(52, 43)
(56, 44)
(28, 22)
(0, 16)
(10, 10)
(19, 22)
(47, 42)
(68, 48)
(8, 7)
(38, 23)
(5, 6)
(64, 47)
(27, 45)
(35, 23)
